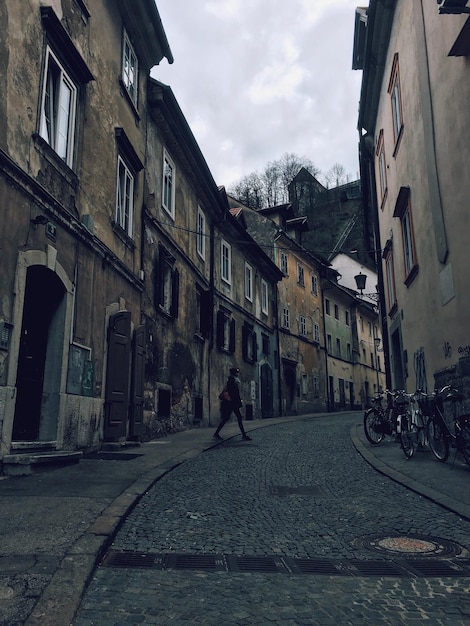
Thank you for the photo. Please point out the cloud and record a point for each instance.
(256, 79)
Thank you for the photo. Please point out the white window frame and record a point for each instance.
(226, 262)
(124, 197)
(264, 297)
(300, 275)
(130, 69)
(168, 185)
(201, 234)
(248, 282)
(314, 285)
(285, 317)
(316, 332)
(57, 126)
(390, 273)
(303, 325)
(284, 263)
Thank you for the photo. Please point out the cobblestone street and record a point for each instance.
(285, 529)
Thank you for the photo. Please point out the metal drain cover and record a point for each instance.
(411, 545)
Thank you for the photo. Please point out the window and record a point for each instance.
(347, 318)
(167, 287)
(390, 278)
(369, 327)
(300, 275)
(226, 262)
(58, 109)
(395, 95)
(316, 332)
(201, 234)
(225, 331)
(327, 306)
(266, 344)
(403, 212)
(314, 285)
(168, 186)
(328, 344)
(203, 312)
(303, 325)
(124, 197)
(316, 387)
(285, 317)
(336, 312)
(130, 67)
(249, 344)
(248, 282)
(348, 352)
(380, 153)
(284, 262)
(304, 384)
(264, 296)
(338, 347)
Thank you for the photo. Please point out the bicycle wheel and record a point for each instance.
(373, 428)
(408, 435)
(464, 442)
(437, 439)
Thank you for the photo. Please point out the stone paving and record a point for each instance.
(297, 490)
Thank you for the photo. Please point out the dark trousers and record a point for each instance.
(225, 413)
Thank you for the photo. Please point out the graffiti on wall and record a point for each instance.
(420, 370)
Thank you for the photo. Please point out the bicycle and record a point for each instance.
(378, 420)
(412, 423)
(441, 436)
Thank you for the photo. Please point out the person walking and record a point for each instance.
(232, 404)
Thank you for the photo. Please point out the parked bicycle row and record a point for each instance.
(419, 419)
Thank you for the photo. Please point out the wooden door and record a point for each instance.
(117, 376)
(137, 388)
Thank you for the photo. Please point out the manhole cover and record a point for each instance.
(411, 545)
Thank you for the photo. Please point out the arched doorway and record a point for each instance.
(40, 357)
(290, 383)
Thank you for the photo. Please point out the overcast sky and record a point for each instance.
(258, 78)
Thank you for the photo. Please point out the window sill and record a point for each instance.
(55, 160)
(398, 141)
(126, 95)
(411, 275)
(121, 233)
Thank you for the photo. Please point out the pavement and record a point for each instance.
(56, 525)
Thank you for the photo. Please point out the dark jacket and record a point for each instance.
(233, 387)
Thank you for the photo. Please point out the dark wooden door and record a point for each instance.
(267, 409)
(117, 376)
(137, 388)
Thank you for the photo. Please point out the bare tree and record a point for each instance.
(271, 187)
(337, 175)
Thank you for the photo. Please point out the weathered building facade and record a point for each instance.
(72, 150)
(414, 136)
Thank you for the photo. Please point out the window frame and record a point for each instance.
(300, 275)
(264, 297)
(124, 216)
(302, 325)
(285, 321)
(390, 280)
(201, 233)
(314, 286)
(316, 332)
(248, 282)
(168, 185)
(167, 287)
(382, 167)
(394, 89)
(284, 263)
(130, 78)
(403, 211)
(226, 262)
(50, 130)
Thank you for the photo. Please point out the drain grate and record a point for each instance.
(414, 568)
(425, 568)
(113, 558)
(112, 456)
(299, 490)
(263, 564)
